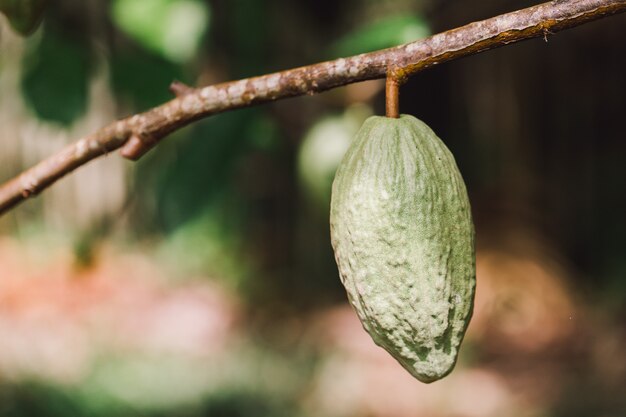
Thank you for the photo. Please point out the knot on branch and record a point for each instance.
(137, 145)
(180, 89)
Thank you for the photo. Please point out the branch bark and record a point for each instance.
(138, 134)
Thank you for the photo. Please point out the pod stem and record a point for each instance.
(392, 96)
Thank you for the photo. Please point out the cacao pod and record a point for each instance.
(403, 237)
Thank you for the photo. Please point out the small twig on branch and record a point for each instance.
(138, 134)
(392, 96)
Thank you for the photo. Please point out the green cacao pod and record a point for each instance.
(24, 15)
(403, 237)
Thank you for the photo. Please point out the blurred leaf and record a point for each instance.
(197, 173)
(24, 15)
(247, 29)
(263, 133)
(56, 77)
(322, 149)
(171, 28)
(37, 399)
(242, 403)
(143, 78)
(391, 31)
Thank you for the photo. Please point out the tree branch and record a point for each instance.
(138, 134)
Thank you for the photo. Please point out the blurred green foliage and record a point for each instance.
(384, 33)
(138, 77)
(56, 74)
(172, 28)
(205, 172)
(321, 151)
(24, 15)
(248, 381)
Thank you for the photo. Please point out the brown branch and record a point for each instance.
(138, 134)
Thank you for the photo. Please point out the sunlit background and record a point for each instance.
(200, 281)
